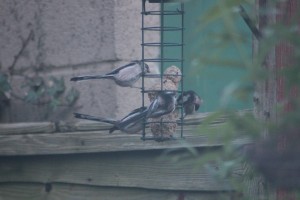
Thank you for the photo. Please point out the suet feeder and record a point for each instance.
(171, 68)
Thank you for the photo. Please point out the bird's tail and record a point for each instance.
(93, 118)
(88, 77)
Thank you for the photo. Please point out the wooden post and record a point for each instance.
(284, 53)
(272, 91)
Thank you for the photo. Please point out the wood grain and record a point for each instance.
(95, 141)
(36, 191)
(137, 169)
(27, 128)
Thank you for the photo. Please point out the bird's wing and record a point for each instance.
(133, 122)
(134, 115)
(93, 118)
(120, 68)
(153, 108)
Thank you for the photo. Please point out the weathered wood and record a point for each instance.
(95, 141)
(25, 128)
(138, 169)
(33, 191)
(83, 125)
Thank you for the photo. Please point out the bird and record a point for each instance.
(190, 101)
(124, 76)
(164, 127)
(132, 123)
(164, 103)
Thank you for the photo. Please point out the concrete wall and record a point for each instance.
(72, 37)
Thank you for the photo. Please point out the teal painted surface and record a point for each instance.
(212, 68)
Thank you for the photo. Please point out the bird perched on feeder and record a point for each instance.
(190, 102)
(163, 104)
(132, 123)
(124, 76)
(163, 127)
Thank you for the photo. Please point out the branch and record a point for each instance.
(16, 57)
(250, 23)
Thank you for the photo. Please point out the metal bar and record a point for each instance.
(161, 43)
(159, 28)
(143, 60)
(166, 44)
(162, 60)
(161, 52)
(166, 12)
(182, 63)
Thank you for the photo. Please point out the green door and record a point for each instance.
(212, 65)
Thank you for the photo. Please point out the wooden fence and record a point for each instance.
(82, 161)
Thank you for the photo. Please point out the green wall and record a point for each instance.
(211, 67)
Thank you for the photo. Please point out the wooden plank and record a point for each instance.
(27, 128)
(29, 142)
(95, 141)
(83, 125)
(138, 169)
(36, 191)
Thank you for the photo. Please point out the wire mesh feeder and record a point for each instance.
(162, 128)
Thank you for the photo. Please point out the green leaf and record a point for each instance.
(56, 86)
(72, 96)
(54, 103)
(4, 84)
(31, 96)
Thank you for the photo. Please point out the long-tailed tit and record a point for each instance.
(132, 123)
(124, 76)
(164, 103)
(190, 101)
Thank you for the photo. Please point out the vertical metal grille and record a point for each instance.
(164, 14)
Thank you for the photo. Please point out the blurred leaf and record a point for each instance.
(218, 11)
(247, 124)
(72, 96)
(31, 96)
(56, 86)
(36, 89)
(35, 83)
(54, 103)
(293, 74)
(221, 62)
(4, 84)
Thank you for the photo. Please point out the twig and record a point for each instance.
(16, 57)
(250, 23)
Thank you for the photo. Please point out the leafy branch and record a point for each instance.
(40, 90)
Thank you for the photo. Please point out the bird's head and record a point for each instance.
(145, 68)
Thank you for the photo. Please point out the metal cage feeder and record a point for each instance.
(164, 14)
